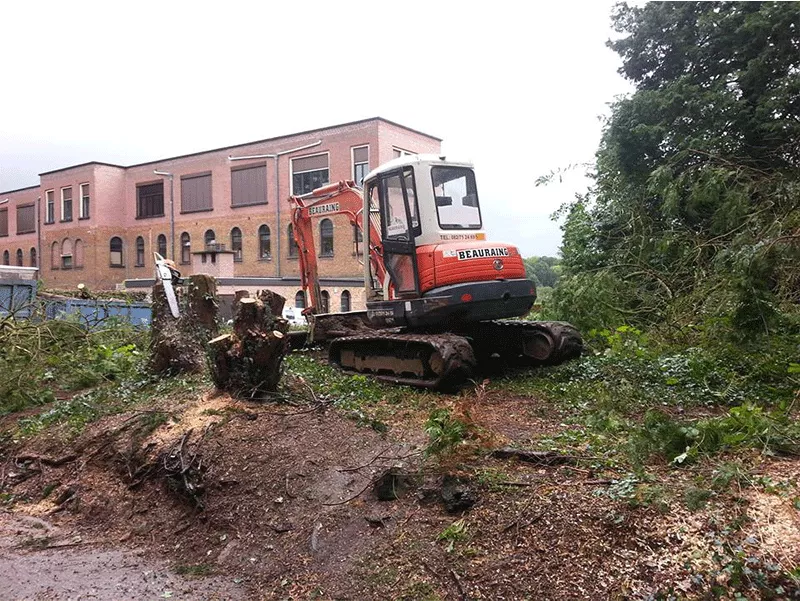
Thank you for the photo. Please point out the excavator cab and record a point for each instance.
(439, 268)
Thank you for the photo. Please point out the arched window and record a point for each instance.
(345, 301)
(292, 242)
(326, 238)
(325, 300)
(209, 238)
(264, 246)
(55, 256)
(139, 251)
(66, 254)
(20, 260)
(78, 254)
(300, 300)
(186, 248)
(6, 258)
(236, 244)
(161, 242)
(115, 248)
(33, 258)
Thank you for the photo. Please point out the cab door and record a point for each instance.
(400, 227)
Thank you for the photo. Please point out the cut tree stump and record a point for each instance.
(177, 345)
(247, 363)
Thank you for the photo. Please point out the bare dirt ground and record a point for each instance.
(288, 511)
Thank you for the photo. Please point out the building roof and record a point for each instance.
(191, 154)
(19, 190)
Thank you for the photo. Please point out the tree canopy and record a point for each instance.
(694, 212)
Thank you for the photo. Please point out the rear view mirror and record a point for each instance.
(470, 200)
(444, 201)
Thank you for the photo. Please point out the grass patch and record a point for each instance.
(194, 570)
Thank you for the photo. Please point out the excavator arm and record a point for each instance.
(342, 198)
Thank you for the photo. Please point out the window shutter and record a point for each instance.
(196, 193)
(249, 186)
(26, 219)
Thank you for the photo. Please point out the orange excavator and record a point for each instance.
(439, 295)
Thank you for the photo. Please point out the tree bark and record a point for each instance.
(177, 345)
(247, 363)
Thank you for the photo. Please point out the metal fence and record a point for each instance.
(19, 298)
(95, 312)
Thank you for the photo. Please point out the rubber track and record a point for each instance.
(456, 352)
(502, 335)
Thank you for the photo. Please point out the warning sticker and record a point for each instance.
(481, 253)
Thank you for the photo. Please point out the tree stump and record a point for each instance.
(247, 362)
(177, 345)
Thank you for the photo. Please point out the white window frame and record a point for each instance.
(47, 205)
(80, 200)
(72, 200)
(306, 156)
(353, 161)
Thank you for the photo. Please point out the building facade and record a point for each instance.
(99, 223)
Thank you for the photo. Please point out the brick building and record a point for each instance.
(98, 223)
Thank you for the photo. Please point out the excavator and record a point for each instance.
(439, 295)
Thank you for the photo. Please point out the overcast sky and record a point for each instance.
(518, 88)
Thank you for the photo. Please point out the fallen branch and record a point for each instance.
(49, 461)
(537, 457)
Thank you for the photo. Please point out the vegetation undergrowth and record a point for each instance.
(42, 360)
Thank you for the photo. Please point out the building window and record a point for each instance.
(196, 193)
(115, 248)
(26, 219)
(300, 300)
(84, 209)
(139, 251)
(236, 244)
(360, 164)
(399, 152)
(292, 242)
(209, 238)
(264, 242)
(325, 302)
(6, 259)
(150, 200)
(66, 204)
(50, 215)
(249, 185)
(20, 260)
(326, 238)
(33, 258)
(345, 301)
(186, 248)
(309, 173)
(55, 255)
(161, 242)
(78, 254)
(66, 254)
(4, 222)
(358, 240)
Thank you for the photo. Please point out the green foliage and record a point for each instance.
(693, 218)
(744, 426)
(41, 358)
(445, 431)
(545, 271)
(456, 532)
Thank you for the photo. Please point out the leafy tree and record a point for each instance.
(545, 271)
(694, 216)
